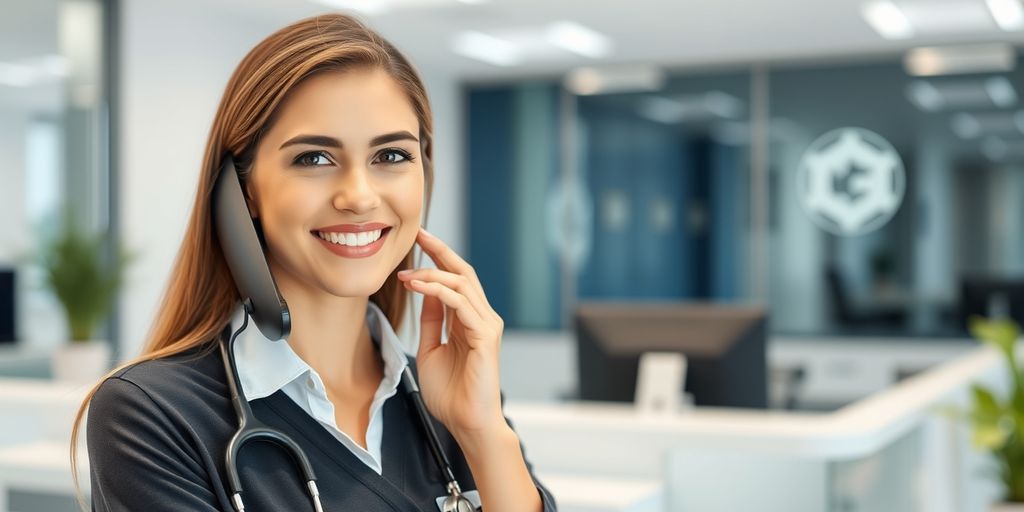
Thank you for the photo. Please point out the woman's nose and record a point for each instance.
(354, 190)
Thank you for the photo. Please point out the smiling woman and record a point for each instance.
(327, 129)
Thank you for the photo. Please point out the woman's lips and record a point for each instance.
(348, 251)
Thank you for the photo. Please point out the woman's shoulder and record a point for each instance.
(170, 382)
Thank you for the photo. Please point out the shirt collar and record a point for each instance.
(265, 366)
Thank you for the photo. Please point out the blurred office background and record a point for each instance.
(640, 156)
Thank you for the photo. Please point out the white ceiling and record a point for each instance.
(668, 32)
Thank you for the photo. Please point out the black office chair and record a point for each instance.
(845, 315)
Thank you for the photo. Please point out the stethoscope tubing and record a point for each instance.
(251, 429)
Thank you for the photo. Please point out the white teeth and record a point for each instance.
(352, 239)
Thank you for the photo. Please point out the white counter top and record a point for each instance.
(852, 431)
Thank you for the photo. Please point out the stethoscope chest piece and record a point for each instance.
(457, 503)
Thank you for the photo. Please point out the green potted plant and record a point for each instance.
(86, 285)
(998, 422)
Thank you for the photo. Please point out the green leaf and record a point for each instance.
(1002, 333)
(989, 436)
(985, 402)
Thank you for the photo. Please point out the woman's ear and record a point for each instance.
(250, 199)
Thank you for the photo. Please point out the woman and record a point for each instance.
(330, 129)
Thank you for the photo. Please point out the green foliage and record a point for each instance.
(80, 277)
(998, 424)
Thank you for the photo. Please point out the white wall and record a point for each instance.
(14, 228)
(176, 60)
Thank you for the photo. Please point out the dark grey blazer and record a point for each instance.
(157, 432)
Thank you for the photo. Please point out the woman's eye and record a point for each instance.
(395, 156)
(312, 159)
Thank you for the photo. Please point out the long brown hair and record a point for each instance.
(201, 295)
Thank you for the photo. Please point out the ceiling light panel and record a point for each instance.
(962, 94)
(968, 125)
(887, 19)
(925, 96)
(614, 79)
(556, 41)
(1001, 91)
(578, 39)
(948, 60)
(929, 17)
(487, 48)
(1008, 14)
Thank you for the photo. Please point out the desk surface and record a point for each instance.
(852, 431)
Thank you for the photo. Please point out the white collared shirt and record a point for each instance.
(265, 366)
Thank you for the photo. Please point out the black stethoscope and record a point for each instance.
(252, 429)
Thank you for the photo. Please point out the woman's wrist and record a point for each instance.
(482, 440)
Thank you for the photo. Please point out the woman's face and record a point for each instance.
(343, 150)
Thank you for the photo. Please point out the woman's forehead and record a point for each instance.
(352, 105)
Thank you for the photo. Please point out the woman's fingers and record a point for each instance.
(456, 282)
(464, 310)
(431, 322)
(445, 257)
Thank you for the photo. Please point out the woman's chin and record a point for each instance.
(359, 287)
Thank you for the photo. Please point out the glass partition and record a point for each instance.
(850, 198)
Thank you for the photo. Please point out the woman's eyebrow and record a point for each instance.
(331, 142)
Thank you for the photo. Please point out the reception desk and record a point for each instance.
(891, 450)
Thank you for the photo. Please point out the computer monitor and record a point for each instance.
(724, 347)
(991, 296)
(7, 312)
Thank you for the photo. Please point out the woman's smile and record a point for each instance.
(350, 244)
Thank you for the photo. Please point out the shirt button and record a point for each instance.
(310, 384)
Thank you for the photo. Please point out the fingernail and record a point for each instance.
(404, 272)
(425, 232)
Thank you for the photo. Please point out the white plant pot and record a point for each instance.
(1007, 507)
(81, 361)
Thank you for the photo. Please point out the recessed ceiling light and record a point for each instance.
(975, 58)
(887, 19)
(578, 39)
(486, 48)
(589, 80)
(662, 109)
(1009, 14)
(1001, 91)
(965, 126)
(941, 17)
(925, 95)
(723, 104)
